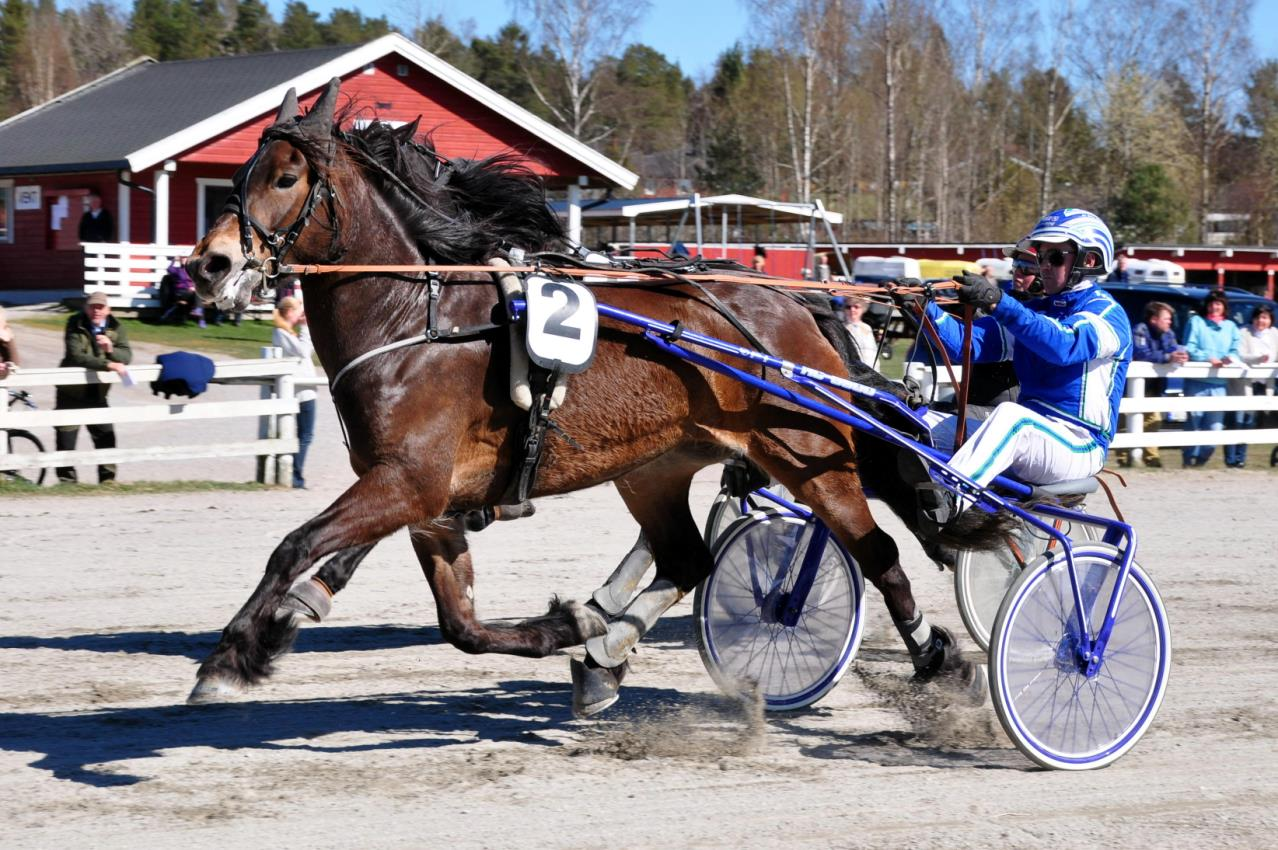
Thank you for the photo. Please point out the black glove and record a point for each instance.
(915, 300)
(979, 291)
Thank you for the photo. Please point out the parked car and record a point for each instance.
(1184, 300)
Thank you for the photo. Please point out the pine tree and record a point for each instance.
(254, 30)
(300, 28)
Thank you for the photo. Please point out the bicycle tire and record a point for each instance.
(789, 667)
(982, 578)
(25, 443)
(1055, 715)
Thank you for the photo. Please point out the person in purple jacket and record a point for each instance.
(1154, 341)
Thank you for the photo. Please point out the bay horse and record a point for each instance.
(432, 432)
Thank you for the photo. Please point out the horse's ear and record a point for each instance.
(319, 120)
(409, 131)
(289, 108)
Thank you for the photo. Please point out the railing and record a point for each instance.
(1135, 404)
(278, 406)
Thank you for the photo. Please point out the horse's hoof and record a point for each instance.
(594, 688)
(948, 668)
(311, 598)
(213, 689)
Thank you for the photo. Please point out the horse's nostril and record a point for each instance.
(214, 266)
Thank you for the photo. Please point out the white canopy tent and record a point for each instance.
(743, 209)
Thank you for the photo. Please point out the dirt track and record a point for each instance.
(377, 734)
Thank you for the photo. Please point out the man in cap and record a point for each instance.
(94, 340)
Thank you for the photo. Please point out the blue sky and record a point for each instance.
(690, 32)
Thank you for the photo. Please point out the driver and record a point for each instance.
(1070, 345)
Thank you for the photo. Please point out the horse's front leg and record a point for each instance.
(445, 558)
(376, 505)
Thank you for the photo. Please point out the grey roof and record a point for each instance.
(97, 126)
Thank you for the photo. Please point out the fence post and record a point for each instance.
(266, 425)
(1136, 421)
(4, 413)
(286, 429)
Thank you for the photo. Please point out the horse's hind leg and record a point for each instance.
(373, 507)
(833, 490)
(445, 558)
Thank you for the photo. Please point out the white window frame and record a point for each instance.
(202, 220)
(6, 238)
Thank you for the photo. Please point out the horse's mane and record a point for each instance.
(471, 207)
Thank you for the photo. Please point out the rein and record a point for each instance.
(614, 276)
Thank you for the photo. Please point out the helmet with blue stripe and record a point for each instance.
(1084, 229)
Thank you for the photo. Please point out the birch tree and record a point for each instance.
(1213, 53)
(578, 34)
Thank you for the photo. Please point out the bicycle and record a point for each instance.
(22, 444)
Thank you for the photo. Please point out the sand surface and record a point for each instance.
(376, 733)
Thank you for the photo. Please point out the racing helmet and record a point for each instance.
(1086, 230)
(1022, 250)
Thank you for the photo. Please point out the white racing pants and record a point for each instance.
(1034, 448)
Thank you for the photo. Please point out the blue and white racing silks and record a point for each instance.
(1070, 352)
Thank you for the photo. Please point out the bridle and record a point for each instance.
(280, 240)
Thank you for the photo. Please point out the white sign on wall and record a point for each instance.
(26, 198)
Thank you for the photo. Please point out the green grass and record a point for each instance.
(20, 489)
(242, 342)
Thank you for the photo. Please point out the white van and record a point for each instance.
(1163, 272)
(1002, 266)
(880, 269)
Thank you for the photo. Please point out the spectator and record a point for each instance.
(182, 301)
(1213, 339)
(1153, 341)
(8, 348)
(292, 335)
(867, 348)
(1258, 345)
(94, 340)
(1119, 274)
(96, 225)
(760, 259)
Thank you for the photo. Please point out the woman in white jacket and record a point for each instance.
(292, 335)
(1258, 346)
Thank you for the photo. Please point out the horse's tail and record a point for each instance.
(892, 471)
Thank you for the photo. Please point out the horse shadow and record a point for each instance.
(677, 633)
(86, 747)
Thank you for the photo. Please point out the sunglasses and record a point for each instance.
(1025, 268)
(1053, 257)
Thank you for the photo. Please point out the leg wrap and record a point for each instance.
(917, 634)
(620, 587)
(612, 649)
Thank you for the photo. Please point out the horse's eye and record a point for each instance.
(285, 181)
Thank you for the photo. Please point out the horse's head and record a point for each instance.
(275, 195)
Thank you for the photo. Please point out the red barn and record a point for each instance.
(159, 143)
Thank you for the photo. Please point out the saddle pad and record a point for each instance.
(562, 325)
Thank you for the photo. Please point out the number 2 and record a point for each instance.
(555, 324)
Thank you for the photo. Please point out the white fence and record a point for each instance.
(129, 274)
(276, 413)
(1135, 405)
